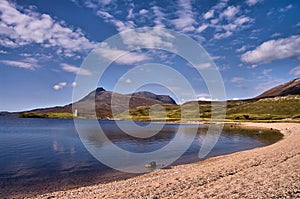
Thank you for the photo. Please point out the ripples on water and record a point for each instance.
(36, 150)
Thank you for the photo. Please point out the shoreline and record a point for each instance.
(270, 171)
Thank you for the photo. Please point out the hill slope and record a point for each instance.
(280, 102)
(100, 100)
(290, 88)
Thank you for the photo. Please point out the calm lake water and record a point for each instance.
(48, 152)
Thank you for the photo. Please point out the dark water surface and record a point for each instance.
(40, 155)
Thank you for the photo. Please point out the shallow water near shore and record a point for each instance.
(41, 155)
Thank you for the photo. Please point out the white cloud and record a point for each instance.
(214, 21)
(204, 97)
(143, 11)
(242, 20)
(28, 63)
(120, 56)
(203, 65)
(230, 27)
(157, 38)
(220, 5)
(253, 2)
(130, 14)
(295, 71)
(237, 79)
(104, 14)
(74, 69)
(298, 24)
(230, 12)
(3, 52)
(60, 85)
(241, 49)
(274, 50)
(120, 25)
(19, 28)
(73, 84)
(234, 21)
(288, 7)
(202, 28)
(159, 17)
(209, 14)
(185, 19)
(223, 35)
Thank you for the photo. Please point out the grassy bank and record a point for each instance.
(268, 110)
(45, 115)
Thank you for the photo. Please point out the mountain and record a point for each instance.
(162, 98)
(280, 102)
(290, 88)
(100, 100)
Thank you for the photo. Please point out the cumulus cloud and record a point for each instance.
(226, 19)
(120, 56)
(209, 14)
(204, 97)
(242, 20)
(157, 38)
(230, 12)
(223, 35)
(73, 69)
(28, 63)
(73, 84)
(233, 22)
(252, 2)
(60, 85)
(143, 11)
(120, 25)
(19, 28)
(295, 71)
(274, 50)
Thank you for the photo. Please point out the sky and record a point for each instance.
(255, 45)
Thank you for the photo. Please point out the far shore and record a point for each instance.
(268, 172)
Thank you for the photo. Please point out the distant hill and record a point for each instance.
(290, 88)
(100, 100)
(279, 103)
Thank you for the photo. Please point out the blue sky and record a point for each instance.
(254, 43)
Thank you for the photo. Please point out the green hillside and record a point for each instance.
(277, 108)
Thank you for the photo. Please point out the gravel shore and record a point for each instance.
(267, 172)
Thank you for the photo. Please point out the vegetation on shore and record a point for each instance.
(269, 109)
(45, 115)
(284, 108)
